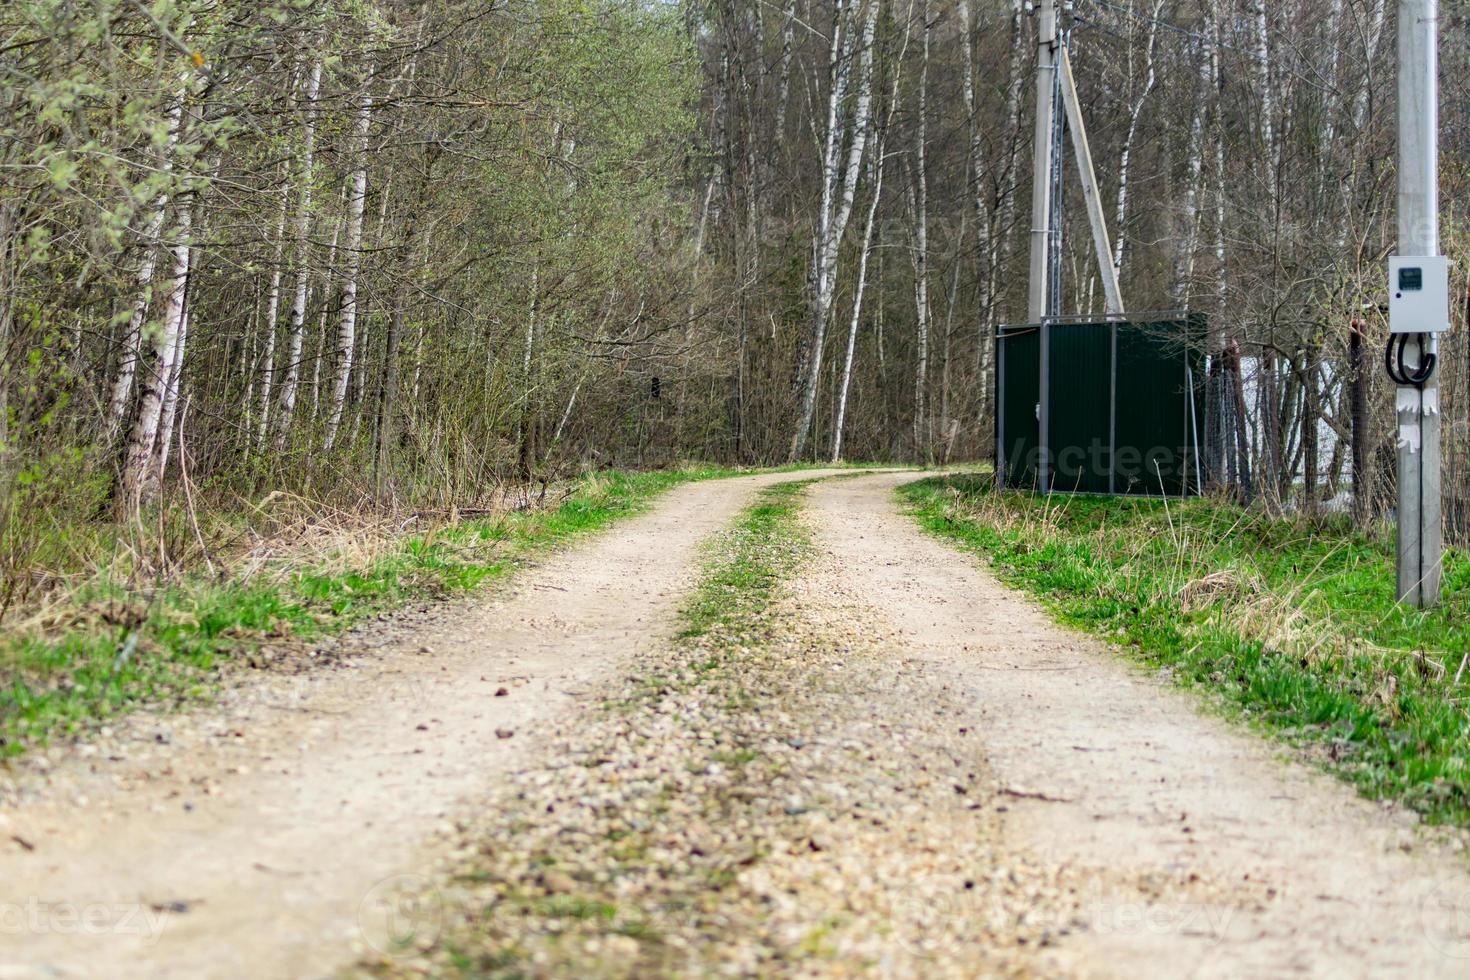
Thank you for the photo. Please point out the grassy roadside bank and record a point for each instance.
(109, 648)
(1288, 623)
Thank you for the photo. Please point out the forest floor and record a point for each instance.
(768, 727)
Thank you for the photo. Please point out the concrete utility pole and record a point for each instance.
(1419, 531)
(1041, 168)
(1037, 307)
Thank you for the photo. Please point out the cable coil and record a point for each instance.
(1400, 373)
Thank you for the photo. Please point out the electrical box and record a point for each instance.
(1418, 294)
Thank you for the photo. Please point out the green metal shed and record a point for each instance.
(1121, 404)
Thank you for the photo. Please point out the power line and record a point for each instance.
(1166, 25)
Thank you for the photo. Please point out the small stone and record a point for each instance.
(504, 733)
(558, 883)
(622, 947)
(501, 692)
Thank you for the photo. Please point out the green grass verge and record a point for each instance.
(751, 560)
(110, 650)
(1290, 623)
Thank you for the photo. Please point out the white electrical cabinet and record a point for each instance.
(1418, 294)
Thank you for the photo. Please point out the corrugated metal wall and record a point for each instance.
(1017, 428)
(1125, 398)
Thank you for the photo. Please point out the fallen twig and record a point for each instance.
(1023, 794)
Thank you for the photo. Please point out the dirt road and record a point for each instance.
(1111, 771)
(260, 838)
(250, 840)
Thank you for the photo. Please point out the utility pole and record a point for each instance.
(1417, 308)
(1044, 147)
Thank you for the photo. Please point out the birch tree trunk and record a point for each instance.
(1217, 76)
(388, 392)
(877, 166)
(272, 318)
(1001, 239)
(984, 232)
(1271, 462)
(948, 427)
(836, 209)
(141, 456)
(1262, 72)
(132, 338)
(526, 434)
(1193, 189)
(347, 323)
(837, 74)
(171, 391)
(325, 313)
(923, 445)
(1150, 79)
(783, 95)
(845, 385)
(287, 407)
(1310, 425)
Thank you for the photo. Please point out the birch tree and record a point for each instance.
(272, 318)
(877, 166)
(839, 187)
(352, 248)
(1135, 113)
(128, 345)
(919, 200)
(142, 454)
(296, 337)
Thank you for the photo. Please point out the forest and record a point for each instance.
(384, 255)
(522, 488)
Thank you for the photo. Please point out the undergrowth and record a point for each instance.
(109, 647)
(1292, 623)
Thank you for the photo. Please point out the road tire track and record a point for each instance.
(1118, 774)
(250, 841)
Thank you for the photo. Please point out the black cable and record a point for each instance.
(1398, 370)
(1426, 366)
(1388, 359)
